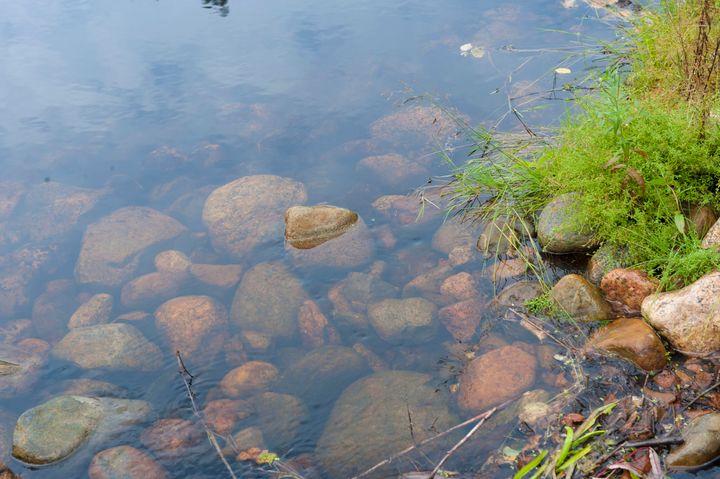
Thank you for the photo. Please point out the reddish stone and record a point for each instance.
(315, 330)
(460, 286)
(171, 437)
(626, 289)
(251, 377)
(462, 319)
(124, 462)
(222, 415)
(495, 377)
(631, 339)
(34, 345)
(665, 379)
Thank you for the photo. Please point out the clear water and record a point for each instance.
(124, 96)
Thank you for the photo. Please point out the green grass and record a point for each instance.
(642, 149)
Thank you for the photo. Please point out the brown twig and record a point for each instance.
(656, 441)
(429, 439)
(699, 396)
(184, 374)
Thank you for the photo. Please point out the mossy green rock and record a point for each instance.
(607, 258)
(702, 443)
(370, 421)
(559, 228)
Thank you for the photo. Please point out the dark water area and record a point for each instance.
(155, 104)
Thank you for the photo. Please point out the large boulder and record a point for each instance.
(690, 317)
(701, 446)
(560, 229)
(116, 346)
(125, 462)
(580, 299)
(54, 430)
(193, 325)
(631, 339)
(268, 300)
(370, 420)
(112, 246)
(248, 212)
(495, 377)
(408, 320)
(18, 369)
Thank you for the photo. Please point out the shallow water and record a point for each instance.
(157, 103)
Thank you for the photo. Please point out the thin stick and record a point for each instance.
(184, 373)
(461, 442)
(700, 395)
(429, 439)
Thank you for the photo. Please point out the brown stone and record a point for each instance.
(307, 227)
(151, 289)
(96, 310)
(222, 415)
(17, 270)
(580, 299)
(252, 377)
(495, 377)
(170, 438)
(460, 286)
(124, 462)
(315, 330)
(628, 287)
(351, 248)
(428, 284)
(631, 339)
(453, 234)
(375, 362)
(517, 294)
(462, 319)
(224, 276)
(507, 268)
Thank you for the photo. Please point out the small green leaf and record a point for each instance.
(565, 448)
(531, 465)
(576, 457)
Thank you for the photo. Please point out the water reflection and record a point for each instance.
(222, 6)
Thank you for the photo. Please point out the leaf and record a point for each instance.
(531, 465)
(576, 457)
(565, 450)
(680, 222)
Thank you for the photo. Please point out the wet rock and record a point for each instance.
(507, 268)
(370, 419)
(495, 377)
(188, 207)
(6, 472)
(11, 331)
(712, 237)
(453, 234)
(631, 339)
(409, 320)
(605, 259)
(307, 227)
(517, 294)
(414, 125)
(702, 218)
(56, 429)
(375, 362)
(461, 255)
(580, 299)
(321, 375)
(248, 212)
(627, 288)
(250, 378)
(459, 286)
(279, 417)
(558, 228)
(19, 369)
(223, 276)
(428, 284)
(351, 297)
(112, 246)
(702, 443)
(171, 438)
(405, 210)
(315, 330)
(462, 319)
(500, 235)
(124, 462)
(690, 317)
(117, 346)
(392, 169)
(52, 308)
(17, 270)
(256, 342)
(353, 248)
(96, 310)
(172, 261)
(151, 289)
(222, 415)
(268, 301)
(34, 345)
(194, 325)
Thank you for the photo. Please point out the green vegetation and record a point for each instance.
(643, 149)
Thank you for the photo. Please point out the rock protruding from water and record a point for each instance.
(309, 226)
(193, 325)
(559, 227)
(370, 420)
(18, 369)
(54, 430)
(125, 462)
(116, 346)
(701, 446)
(268, 300)
(111, 247)
(690, 317)
(495, 377)
(631, 339)
(580, 299)
(248, 212)
(408, 320)
(350, 249)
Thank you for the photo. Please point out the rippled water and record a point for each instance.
(156, 103)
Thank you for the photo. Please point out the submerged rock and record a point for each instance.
(125, 462)
(268, 301)
(453, 234)
(580, 299)
(151, 289)
(250, 378)
(405, 210)
(429, 283)
(462, 319)
(248, 212)
(627, 288)
(172, 261)
(117, 346)
(559, 229)
(352, 248)
(96, 310)
(690, 317)
(112, 246)
(18, 369)
(17, 271)
(460, 286)
(409, 320)
(370, 420)
(499, 235)
(223, 276)
(631, 339)
(702, 444)
(310, 226)
(56, 429)
(392, 169)
(350, 297)
(495, 377)
(279, 417)
(315, 330)
(171, 438)
(517, 294)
